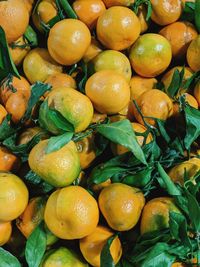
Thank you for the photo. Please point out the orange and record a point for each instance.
(189, 99)
(178, 264)
(20, 85)
(98, 117)
(150, 55)
(74, 106)
(155, 215)
(29, 4)
(193, 54)
(121, 205)
(68, 41)
(62, 257)
(29, 133)
(93, 50)
(13, 196)
(18, 53)
(58, 168)
(38, 65)
(142, 13)
(88, 11)
(8, 161)
(86, 151)
(113, 60)
(14, 19)
(61, 80)
(140, 85)
(3, 113)
(44, 12)
(108, 91)
(138, 128)
(71, 213)
(98, 187)
(197, 92)
(167, 77)
(110, 3)
(153, 103)
(118, 28)
(16, 106)
(179, 34)
(92, 245)
(165, 12)
(5, 232)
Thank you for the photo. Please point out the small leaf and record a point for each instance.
(196, 15)
(174, 86)
(121, 132)
(31, 36)
(68, 9)
(35, 246)
(139, 179)
(57, 142)
(6, 130)
(7, 259)
(106, 258)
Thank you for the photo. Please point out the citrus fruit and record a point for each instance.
(38, 65)
(150, 55)
(165, 12)
(68, 41)
(8, 161)
(139, 85)
(59, 168)
(89, 11)
(153, 103)
(197, 92)
(92, 245)
(93, 50)
(61, 80)
(142, 14)
(29, 4)
(110, 3)
(3, 113)
(155, 215)
(193, 54)
(71, 213)
(179, 34)
(13, 196)
(74, 106)
(18, 51)
(113, 60)
(5, 232)
(118, 28)
(29, 133)
(62, 257)
(121, 205)
(14, 19)
(178, 264)
(108, 91)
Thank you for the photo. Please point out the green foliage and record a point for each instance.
(7, 259)
(106, 258)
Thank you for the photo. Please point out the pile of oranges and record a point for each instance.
(99, 133)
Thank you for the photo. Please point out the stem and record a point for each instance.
(68, 9)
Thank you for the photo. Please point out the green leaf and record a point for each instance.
(7, 65)
(171, 188)
(35, 246)
(6, 130)
(188, 12)
(68, 9)
(196, 15)
(149, 10)
(7, 259)
(161, 128)
(121, 132)
(140, 178)
(106, 258)
(31, 36)
(175, 84)
(57, 142)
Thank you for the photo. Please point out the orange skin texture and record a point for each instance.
(165, 11)
(14, 19)
(5, 232)
(8, 161)
(193, 54)
(110, 3)
(140, 85)
(20, 85)
(93, 50)
(153, 103)
(29, 4)
(197, 92)
(121, 206)
(89, 11)
(16, 106)
(108, 91)
(3, 113)
(19, 53)
(13, 196)
(68, 41)
(92, 245)
(61, 80)
(118, 28)
(75, 220)
(179, 34)
(142, 13)
(150, 55)
(155, 215)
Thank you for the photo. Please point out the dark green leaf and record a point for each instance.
(106, 258)
(162, 130)
(194, 210)
(175, 84)
(31, 36)
(6, 130)
(197, 15)
(6, 63)
(139, 179)
(7, 259)
(57, 142)
(171, 188)
(35, 246)
(188, 12)
(149, 10)
(68, 9)
(82, 76)
(121, 132)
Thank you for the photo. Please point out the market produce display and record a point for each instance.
(99, 133)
